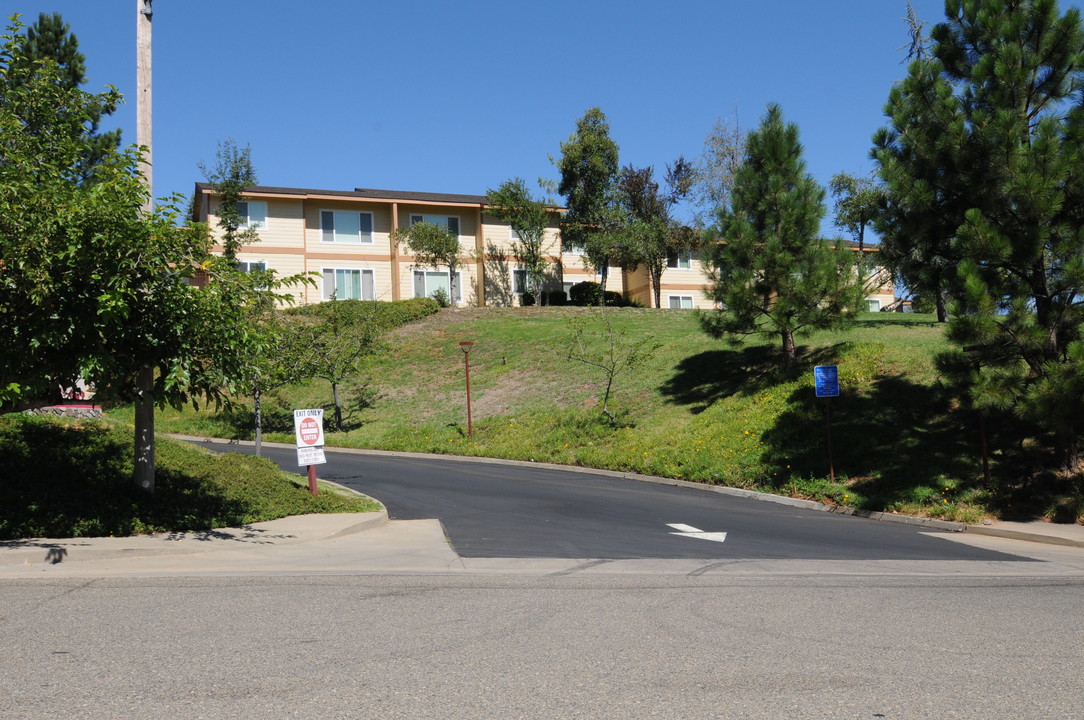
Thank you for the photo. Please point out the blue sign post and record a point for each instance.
(826, 383)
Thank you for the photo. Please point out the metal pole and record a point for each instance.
(465, 347)
(831, 463)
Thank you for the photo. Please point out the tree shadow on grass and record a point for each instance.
(895, 443)
(700, 380)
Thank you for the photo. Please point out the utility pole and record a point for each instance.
(143, 91)
(144, 409)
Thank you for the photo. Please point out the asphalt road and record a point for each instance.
(478, 648)
(492, 510)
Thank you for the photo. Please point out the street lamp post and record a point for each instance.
(465, 347)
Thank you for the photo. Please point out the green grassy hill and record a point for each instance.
(698, 409)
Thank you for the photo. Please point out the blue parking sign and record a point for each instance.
(826, 380)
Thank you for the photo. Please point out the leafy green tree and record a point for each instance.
(858, 200)
(772, 273)
(232, 174)
(609, 349)
(433, 246)
(50, 38)
(342, 334)
(714, 170)
(651, 235)
(90, 285)
(589, 168)
(513, 203)
(1015, 71)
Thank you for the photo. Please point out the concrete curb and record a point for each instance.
(931, 523)
(1024, 535)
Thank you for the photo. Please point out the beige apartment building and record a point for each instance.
(343, 237)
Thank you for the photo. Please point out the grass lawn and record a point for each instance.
(698, 409)
(68, 479)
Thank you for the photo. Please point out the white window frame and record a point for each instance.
(443, 221)
(244, 212)
(873, 305)
(520, 272)
(247, 266)
(572, 249)
(429, 292)
(364, 237)
(333, 290)
(566, 286)
(679, 261)
(681, 299)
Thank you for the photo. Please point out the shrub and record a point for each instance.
(527, 299)
(440, 295)
(387, 315)
(556, 297)
(584, 294)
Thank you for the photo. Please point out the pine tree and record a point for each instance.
(981, 163)
(50, 38)
(1018, 69)
(926, 175)
(772, 273)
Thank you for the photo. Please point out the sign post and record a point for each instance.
(826, 382)
(309, 432)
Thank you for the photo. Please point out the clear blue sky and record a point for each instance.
(457, 97)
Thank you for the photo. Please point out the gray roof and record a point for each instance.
(362, 193)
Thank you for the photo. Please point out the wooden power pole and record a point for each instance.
(143, 92)
(144, 409)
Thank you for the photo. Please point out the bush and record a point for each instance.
(527, 299)
(556, 297)
(66, 479)
(585, 294)
(440, 295)
(386, 315)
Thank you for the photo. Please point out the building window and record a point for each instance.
(567, 287)
(427, 282)
(346, 284)
(570, 248)
(873, 305)
(680, 302)
(252, 214)
(346, 226)
(519, 281)
(448, 222)
(680, 261)
(250, 266)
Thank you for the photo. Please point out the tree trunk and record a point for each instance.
(144, 431)
(790, 354)
(338, 407)
(942, 309)
(602, 285)
(656, 280)
(257, 410)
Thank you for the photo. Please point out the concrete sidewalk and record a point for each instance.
(368, 543)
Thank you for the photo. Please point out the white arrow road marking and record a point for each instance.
(690, 531)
